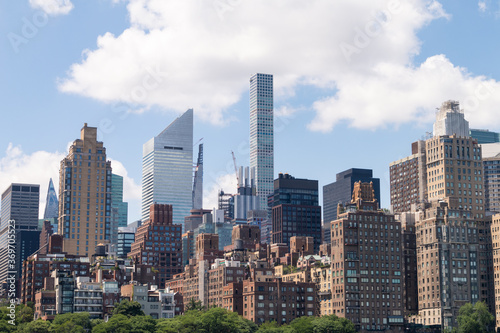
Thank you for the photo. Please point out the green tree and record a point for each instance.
(194, 305)
(302, 324)
(71, 323)
(333, 324)
(475, 319)
(37, 326)
(142, 324)
(219, 320)
(271, 327)
(24, 314)
(128, 308)
(118, 323)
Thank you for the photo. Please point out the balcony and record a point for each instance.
(325, 293)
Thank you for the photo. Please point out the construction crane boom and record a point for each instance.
(235, 169)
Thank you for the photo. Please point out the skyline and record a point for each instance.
(434, 57)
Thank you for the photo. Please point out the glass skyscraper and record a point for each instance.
(51, 204)
(20, 203)
(262, 134)
(117, 200)
(167, 169)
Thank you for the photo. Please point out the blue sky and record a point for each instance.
(355, 82)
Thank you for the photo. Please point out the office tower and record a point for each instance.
(19, 212)
(245, 198)
(408, 179)
(158, 243)
(340, 191)
(117, 200)
(125, 238)
(198, 181)
(295, 210)
(484, 136)
(450, 120)
(51, 203)
(367, 260)
(85, 195)
(262, 134)
(167, 169)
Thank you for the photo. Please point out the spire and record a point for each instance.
(51, 203)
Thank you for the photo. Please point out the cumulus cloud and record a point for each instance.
(53, 7)
(131, 190)
(393, 94)
(36, 168)
(200, 54)
(482, 6)
(225, 182)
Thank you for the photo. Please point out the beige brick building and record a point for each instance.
(85, 195)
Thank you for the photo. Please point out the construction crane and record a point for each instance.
(198, 142)
(235, 169)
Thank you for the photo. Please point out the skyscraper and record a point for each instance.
(198, 180)
(20, 203)
(85, 195)
(262, 134)
(51, 204)
(166, 254)
(450, 120)
(444, 178)
(167, 169)
(117, 200)
(340, 191)
(295, 210)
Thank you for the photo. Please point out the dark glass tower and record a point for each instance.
(295, 210)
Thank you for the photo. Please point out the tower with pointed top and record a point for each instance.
(51, 203)
(167, 169)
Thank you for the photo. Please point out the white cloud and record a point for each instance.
(224, 181)
(393, 94)
(200, 54)
(53, 7)
(131, 190)
(482, 6)
(36, 168)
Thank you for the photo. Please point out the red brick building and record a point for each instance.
(158, 242)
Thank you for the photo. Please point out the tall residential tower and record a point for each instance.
(262, 134)
(85, 195)
(167, 169)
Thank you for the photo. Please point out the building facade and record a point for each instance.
(167, 169)
(158, 243)
(340, 191)
(295, 210)
(19, 217)
(85, 195)
(408, 179)
(262, 134)
(367, 265)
